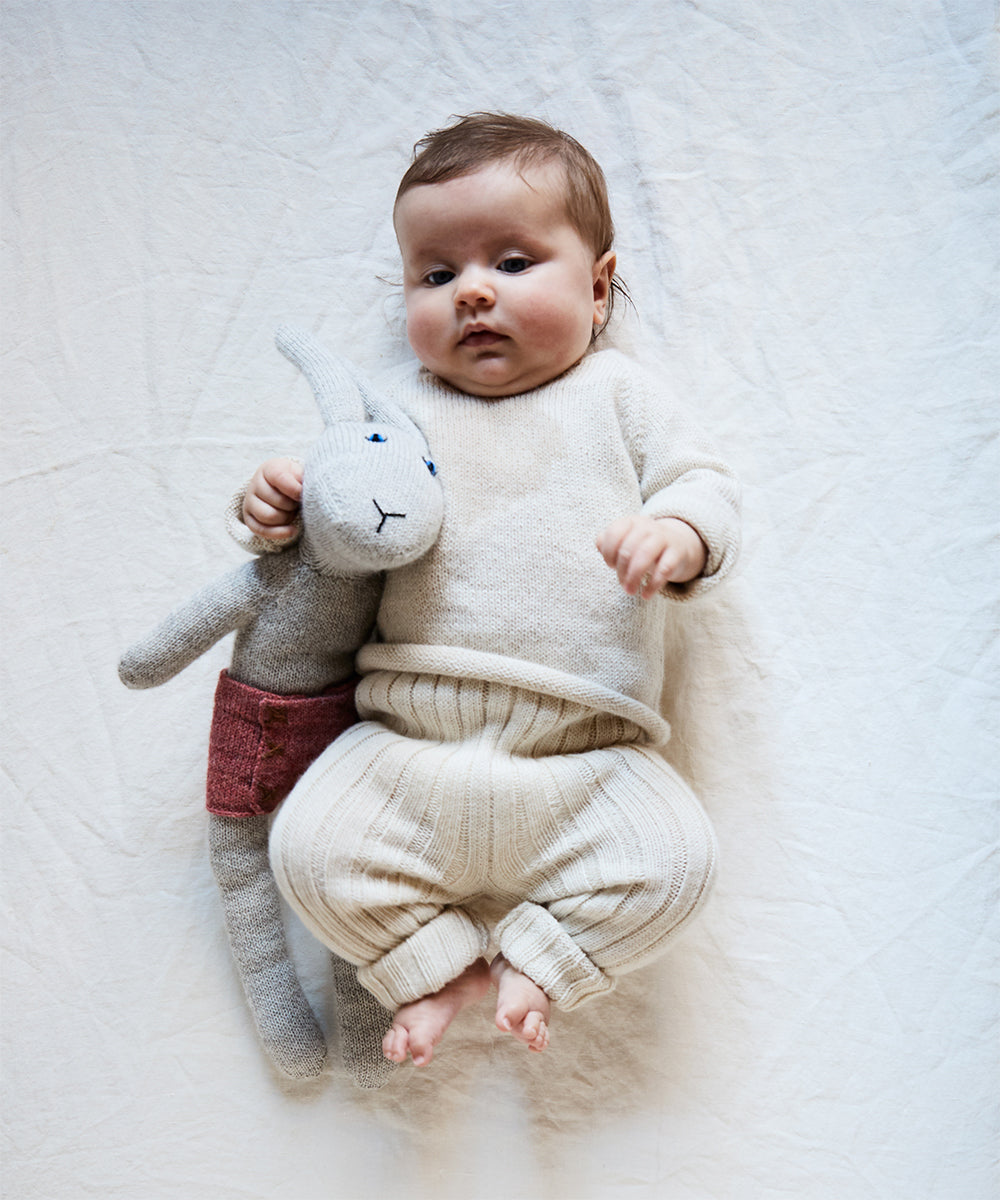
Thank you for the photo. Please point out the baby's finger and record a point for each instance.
(619, 543)
(272, 532)
(258, 512)
(265, 494)
(660, 574)
(609, 540)
(637, 555)
(284, 479)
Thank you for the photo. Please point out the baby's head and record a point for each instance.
(508, 272)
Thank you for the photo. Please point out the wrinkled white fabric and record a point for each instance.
(805, 198)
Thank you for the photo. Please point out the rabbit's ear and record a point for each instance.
(337, 392)
(380, 409)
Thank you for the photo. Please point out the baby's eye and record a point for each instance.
(438, 278)
(375, 437)
(430, 466)
(514, 265)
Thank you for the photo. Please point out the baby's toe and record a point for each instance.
(421, 1049)
(530, 1027)
(394, 1044)
(535, 1032)
(541, 1040)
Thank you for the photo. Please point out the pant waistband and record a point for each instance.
(513, 719)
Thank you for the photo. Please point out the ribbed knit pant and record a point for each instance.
(455, 790)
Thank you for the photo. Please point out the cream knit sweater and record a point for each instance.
(544, 793)
(515, 589)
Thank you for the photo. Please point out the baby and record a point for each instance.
(507, 762)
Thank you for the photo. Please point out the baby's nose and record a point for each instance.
(474, 288)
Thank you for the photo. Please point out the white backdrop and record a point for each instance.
(806, 203)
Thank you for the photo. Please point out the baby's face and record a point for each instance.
(502, 293)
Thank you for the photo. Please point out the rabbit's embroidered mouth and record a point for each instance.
(384, 515)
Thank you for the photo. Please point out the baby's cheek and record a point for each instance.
(422, 330)
(559, 325)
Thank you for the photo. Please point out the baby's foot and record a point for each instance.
(522, 1007)
(418, 1027)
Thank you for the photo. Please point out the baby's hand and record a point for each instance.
(648, 552)
(273, 498)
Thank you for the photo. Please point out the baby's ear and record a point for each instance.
(604, 272)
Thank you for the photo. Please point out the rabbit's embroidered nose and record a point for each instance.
(384, 515)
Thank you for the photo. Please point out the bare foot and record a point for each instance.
(418, 1027)
(522, 1007)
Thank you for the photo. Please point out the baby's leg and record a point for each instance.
(627, 861)
(418, 1027)
(371, 853)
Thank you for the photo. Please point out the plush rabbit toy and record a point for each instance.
(370, 503)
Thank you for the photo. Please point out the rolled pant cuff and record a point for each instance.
(534, 943)
(433, 956)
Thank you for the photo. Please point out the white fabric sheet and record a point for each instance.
(806, 205)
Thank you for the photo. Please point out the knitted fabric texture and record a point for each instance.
(299, 617)
(463, 789)
(261, 742)
(363, 1024)
(285, 1022)
(526, 772)
(530, 481)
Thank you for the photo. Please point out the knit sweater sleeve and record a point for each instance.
(682, 475)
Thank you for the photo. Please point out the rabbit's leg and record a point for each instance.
(363, 1025)
(286, 1024)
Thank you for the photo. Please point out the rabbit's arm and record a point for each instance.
(192, 628)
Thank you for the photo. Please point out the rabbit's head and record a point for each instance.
(371, 500)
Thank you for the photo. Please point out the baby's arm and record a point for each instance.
(649, 552)
(272, 499)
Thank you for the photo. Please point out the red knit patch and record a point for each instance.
(261, 742)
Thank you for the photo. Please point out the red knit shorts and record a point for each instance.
(261, 742)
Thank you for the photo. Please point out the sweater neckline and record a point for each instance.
(590, 355)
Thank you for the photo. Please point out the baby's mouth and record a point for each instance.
(481, 337)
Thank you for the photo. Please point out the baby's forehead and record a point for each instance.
(498, 199)
(548, 173)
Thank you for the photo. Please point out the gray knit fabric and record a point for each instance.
(363, 1023)
(297, 631)
(371, 501)
(288, 1029)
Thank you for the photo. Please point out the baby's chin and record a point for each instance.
(483, 388)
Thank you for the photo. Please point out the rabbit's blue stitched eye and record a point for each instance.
(430, 466)
(376, 437)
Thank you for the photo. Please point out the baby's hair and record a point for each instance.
(480, 139)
